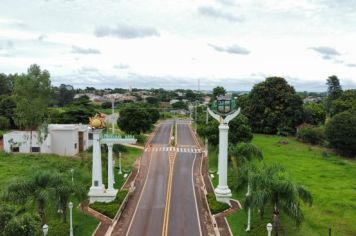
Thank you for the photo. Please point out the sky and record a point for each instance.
(173, 44)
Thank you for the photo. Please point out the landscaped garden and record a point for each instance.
(331, 180)
(15, 167)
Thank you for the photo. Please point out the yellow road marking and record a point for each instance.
(168, 194)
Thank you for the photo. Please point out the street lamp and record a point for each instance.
(224, 111)
(269, 229)
(70, 205)
(45, 229)
(120, 169)
(72, 171)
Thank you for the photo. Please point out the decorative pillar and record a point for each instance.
(97, 186)
(110, 174)
(222, 191)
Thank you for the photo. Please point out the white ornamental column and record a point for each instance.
(223, 193)
(97, 178)
(110, 168)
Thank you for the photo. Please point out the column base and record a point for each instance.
(223, 194)
(100, 194)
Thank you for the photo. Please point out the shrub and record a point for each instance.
(110, 208)
(141, 138)
(25, 225)
(4, 123)
(106, 105)
(340, 131)
(312, 135)
(215, 206)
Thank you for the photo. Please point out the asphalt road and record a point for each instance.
(149, 215)
(167, 205)
(163, 134)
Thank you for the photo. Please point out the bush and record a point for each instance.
(141, 138)
(110, 209)
(312, 135)
(340, 131)
(25, 225)
(215, 206)
(4, 123)
(106, 105)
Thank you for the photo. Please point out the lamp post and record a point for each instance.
(70, 205)
(45, 229)
(269, 229)
(72, 172)
(120, 169)
(224, 112)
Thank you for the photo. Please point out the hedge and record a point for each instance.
(215, 206)
(110, 208)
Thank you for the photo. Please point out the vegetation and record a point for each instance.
(215, 206)
(217, 91)
(314, 113)
(341, 132)
(334, 91)
(4, 123)
(312, 135)
(137, 119)
(329, 178)
(239, 130)
(28, 168)
(346, 102)
(273, 106)
(110, 209)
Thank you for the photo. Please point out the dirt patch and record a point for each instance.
(1, 144)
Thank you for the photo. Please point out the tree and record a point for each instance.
(273, 106)
(217, 91)
(152, 101)
(134, 121)
(243, 154)
(340, 131)
(314, 114)
(346, 101)
(37, 189)
(180, 105)
(32, 93)
(24, 225)
(65, 94)
(106, 105)
(271, 184)
(7, 108)
(334, 90)
(239, 129)
(4, 123)
(79, 111)
(6, 84)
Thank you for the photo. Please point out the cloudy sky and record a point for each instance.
(172, 44)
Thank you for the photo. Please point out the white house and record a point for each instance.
(62, 139)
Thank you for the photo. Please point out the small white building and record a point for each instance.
(62, 139)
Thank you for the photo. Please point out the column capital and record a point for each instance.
(110, 145)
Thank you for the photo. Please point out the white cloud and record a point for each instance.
(82, 42)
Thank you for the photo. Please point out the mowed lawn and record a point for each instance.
(331, 180)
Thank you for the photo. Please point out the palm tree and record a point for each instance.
(273, 184)
(243, 154)
(38, 189)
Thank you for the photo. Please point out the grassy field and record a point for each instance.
(23, 165)
(331, 180)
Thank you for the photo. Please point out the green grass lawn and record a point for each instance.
(330, 179)
(22, 165)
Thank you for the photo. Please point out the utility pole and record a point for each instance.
(206, 137)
